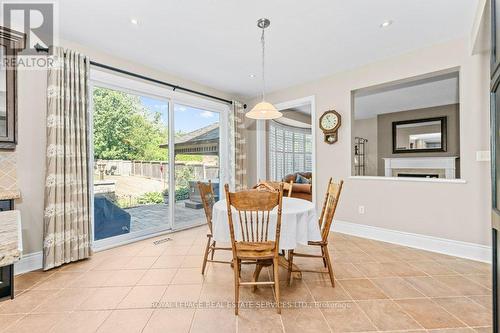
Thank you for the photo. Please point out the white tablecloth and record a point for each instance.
(298, 223)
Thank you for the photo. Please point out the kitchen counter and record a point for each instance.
(11, 246)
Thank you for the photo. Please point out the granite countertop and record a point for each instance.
(10, 237)
(9, 194)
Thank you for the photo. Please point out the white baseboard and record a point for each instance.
(29, 262)
(441, 245)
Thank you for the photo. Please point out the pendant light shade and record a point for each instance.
(263, 110)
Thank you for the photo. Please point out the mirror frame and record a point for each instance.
(395, 150)
(13, 42)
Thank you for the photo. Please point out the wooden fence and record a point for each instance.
(157, 169)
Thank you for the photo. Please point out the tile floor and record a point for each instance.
(144, 287)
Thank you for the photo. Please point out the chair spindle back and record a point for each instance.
(253, 210)
(329, 206)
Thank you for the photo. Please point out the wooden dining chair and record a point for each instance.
(325, 221)
(253, 210)
(208, 200)
(287, 186)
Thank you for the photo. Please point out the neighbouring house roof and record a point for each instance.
(203, 141)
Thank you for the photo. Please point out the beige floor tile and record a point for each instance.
(8, 320)
(400, 268)
(214, 320)
(298, 291)
(182, 292)
(485, 301)
(462, 285)
(397, 288)
(142, 297)
(323, 291)
(113, 263)
(374, 269)
(39, 323)
(304, 321)
(383, 256)
(126, 321)
(58, 280)
(362, 289)
(176, 250)
(192, 262)
(432, 268)
(91, 279)
(387, 315)
(483, 329)
(170, 261)
(141, 262)
(484, 280)
(151, 250)
(261, 320)
(124, 278)
(429, 314)
(467, 310)
(176, 320)
(347, 317)
(28, 280)
(464, 266)
(187, 276)
(81, 322)
(161, 280)
(27, 301)
(346, 271)
(65, 300)
(215, 292)
(105, 298)
(431, 287)
(158, 277)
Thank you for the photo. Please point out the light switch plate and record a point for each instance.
(483, 156)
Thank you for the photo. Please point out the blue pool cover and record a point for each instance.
(109, 219)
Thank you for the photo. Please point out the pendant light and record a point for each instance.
(263, 110)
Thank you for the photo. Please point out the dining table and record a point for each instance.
(299, 224)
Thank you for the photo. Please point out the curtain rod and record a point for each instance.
(175, 87)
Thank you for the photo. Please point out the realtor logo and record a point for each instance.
(36, 20)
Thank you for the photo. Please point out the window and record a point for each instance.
(290, 150)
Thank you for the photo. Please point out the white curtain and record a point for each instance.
(238, 154)
(67, 226)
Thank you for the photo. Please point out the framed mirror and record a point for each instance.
(419, 135)
(11, 42)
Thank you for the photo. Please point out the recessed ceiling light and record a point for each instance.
(386, 23)
(252, 75)
(134, 21)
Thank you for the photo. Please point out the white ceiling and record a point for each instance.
(217, 43)
(418, 94)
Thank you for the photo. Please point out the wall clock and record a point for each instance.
(329, 123)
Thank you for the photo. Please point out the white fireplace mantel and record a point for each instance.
(447, 163)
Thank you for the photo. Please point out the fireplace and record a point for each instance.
(422, 167)
(419, 175)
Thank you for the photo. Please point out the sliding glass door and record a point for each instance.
(135, 124)
(130, 163)
(197, 159)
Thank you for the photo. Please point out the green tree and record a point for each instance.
(124, 129)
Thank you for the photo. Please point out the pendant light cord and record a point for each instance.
(262, 40)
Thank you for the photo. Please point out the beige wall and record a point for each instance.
(367, 129)
(385, 132)
(31, 148)
(453, 211)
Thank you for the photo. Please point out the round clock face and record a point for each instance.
(329, 121)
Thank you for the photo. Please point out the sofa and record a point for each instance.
(301, 191)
